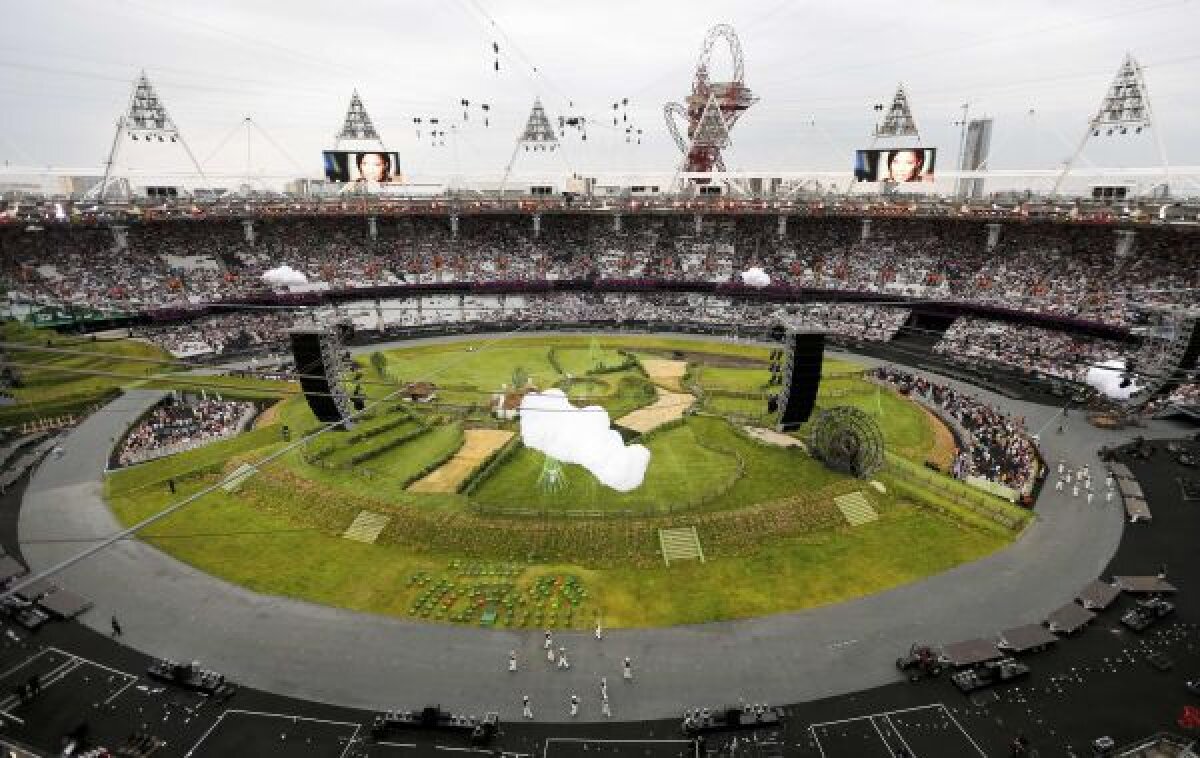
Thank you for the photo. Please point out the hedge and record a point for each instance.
(490, 464)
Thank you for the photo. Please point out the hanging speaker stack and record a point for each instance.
(320, 365)
(796, 370)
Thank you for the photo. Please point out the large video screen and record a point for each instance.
(366, 168)
(902, 165)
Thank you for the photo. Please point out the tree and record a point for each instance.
(379, 363)
(519, 377)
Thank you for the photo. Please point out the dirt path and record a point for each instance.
(477, 446)
(669, 374)
(267, 417)
(668, 407)
(772, 437)
(943, 451)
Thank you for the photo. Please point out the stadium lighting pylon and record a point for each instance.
(899, 120)
(537, 136)
(357, 126)
(1125, 106)
(146, 119)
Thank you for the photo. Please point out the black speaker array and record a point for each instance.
(314, 374)
(797, 370)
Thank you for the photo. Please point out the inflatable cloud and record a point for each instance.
(755, 277)
(284, 276)
(1106, 377)
(550, 423)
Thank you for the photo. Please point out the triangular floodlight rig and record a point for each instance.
(538, 136)
(145, 120)
(357, 125)
(1125, 109)
(898, 120)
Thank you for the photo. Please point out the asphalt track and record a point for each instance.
(314, 652)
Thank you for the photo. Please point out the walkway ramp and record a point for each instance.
(367, 527)
(856, 508)
(668, 374)
(668, 407)
(681, 544)
(772, 437)
(478, 446)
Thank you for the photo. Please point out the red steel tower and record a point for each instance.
(712, 108)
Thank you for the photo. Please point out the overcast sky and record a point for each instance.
(1038, 68)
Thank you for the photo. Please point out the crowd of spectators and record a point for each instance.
(999, 448)
(224, 333)
(265, 330)
(1041, 352)
(1185, 395)
(1049, 268)
(178, 424)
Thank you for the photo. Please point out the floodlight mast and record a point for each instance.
(898, 122)
(538, 134)
(1125, 106)
(145, 116)
(359, 131)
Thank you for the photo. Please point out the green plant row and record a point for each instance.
(490, 464)
(594, 543)
(390, 444)
(740, 394)
(629, 364)
(1004, 514)
(331, 443)
(552, 358)
(435, 463)
(944, 506)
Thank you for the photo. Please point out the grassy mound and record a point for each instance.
(765, 515)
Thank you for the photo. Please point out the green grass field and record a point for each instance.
(765, 514)
(578, 361)
(56, 384)
(682, 474)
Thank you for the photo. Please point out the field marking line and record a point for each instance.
(112, 697)
(56, 676)
(899, 736)
(397, 744)
(350, 741)
(24, 663)
(817, 740)
(221, 718)
(886, 745)
(966, 734)
(881, 713)
(546, 745)
(11, 717)
(204, 736)
(293, 718)
(52, 676)
(94, 663)
(616, 742)
(914, 708)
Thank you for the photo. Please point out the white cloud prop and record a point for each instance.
(284, 276)
(755, 277)
(1106, 377)
(550, 423)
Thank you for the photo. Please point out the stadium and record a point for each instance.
(615, 447)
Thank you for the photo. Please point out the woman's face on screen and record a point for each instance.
(904, 166)
(374, 168)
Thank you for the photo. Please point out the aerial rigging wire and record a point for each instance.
(234, 476)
